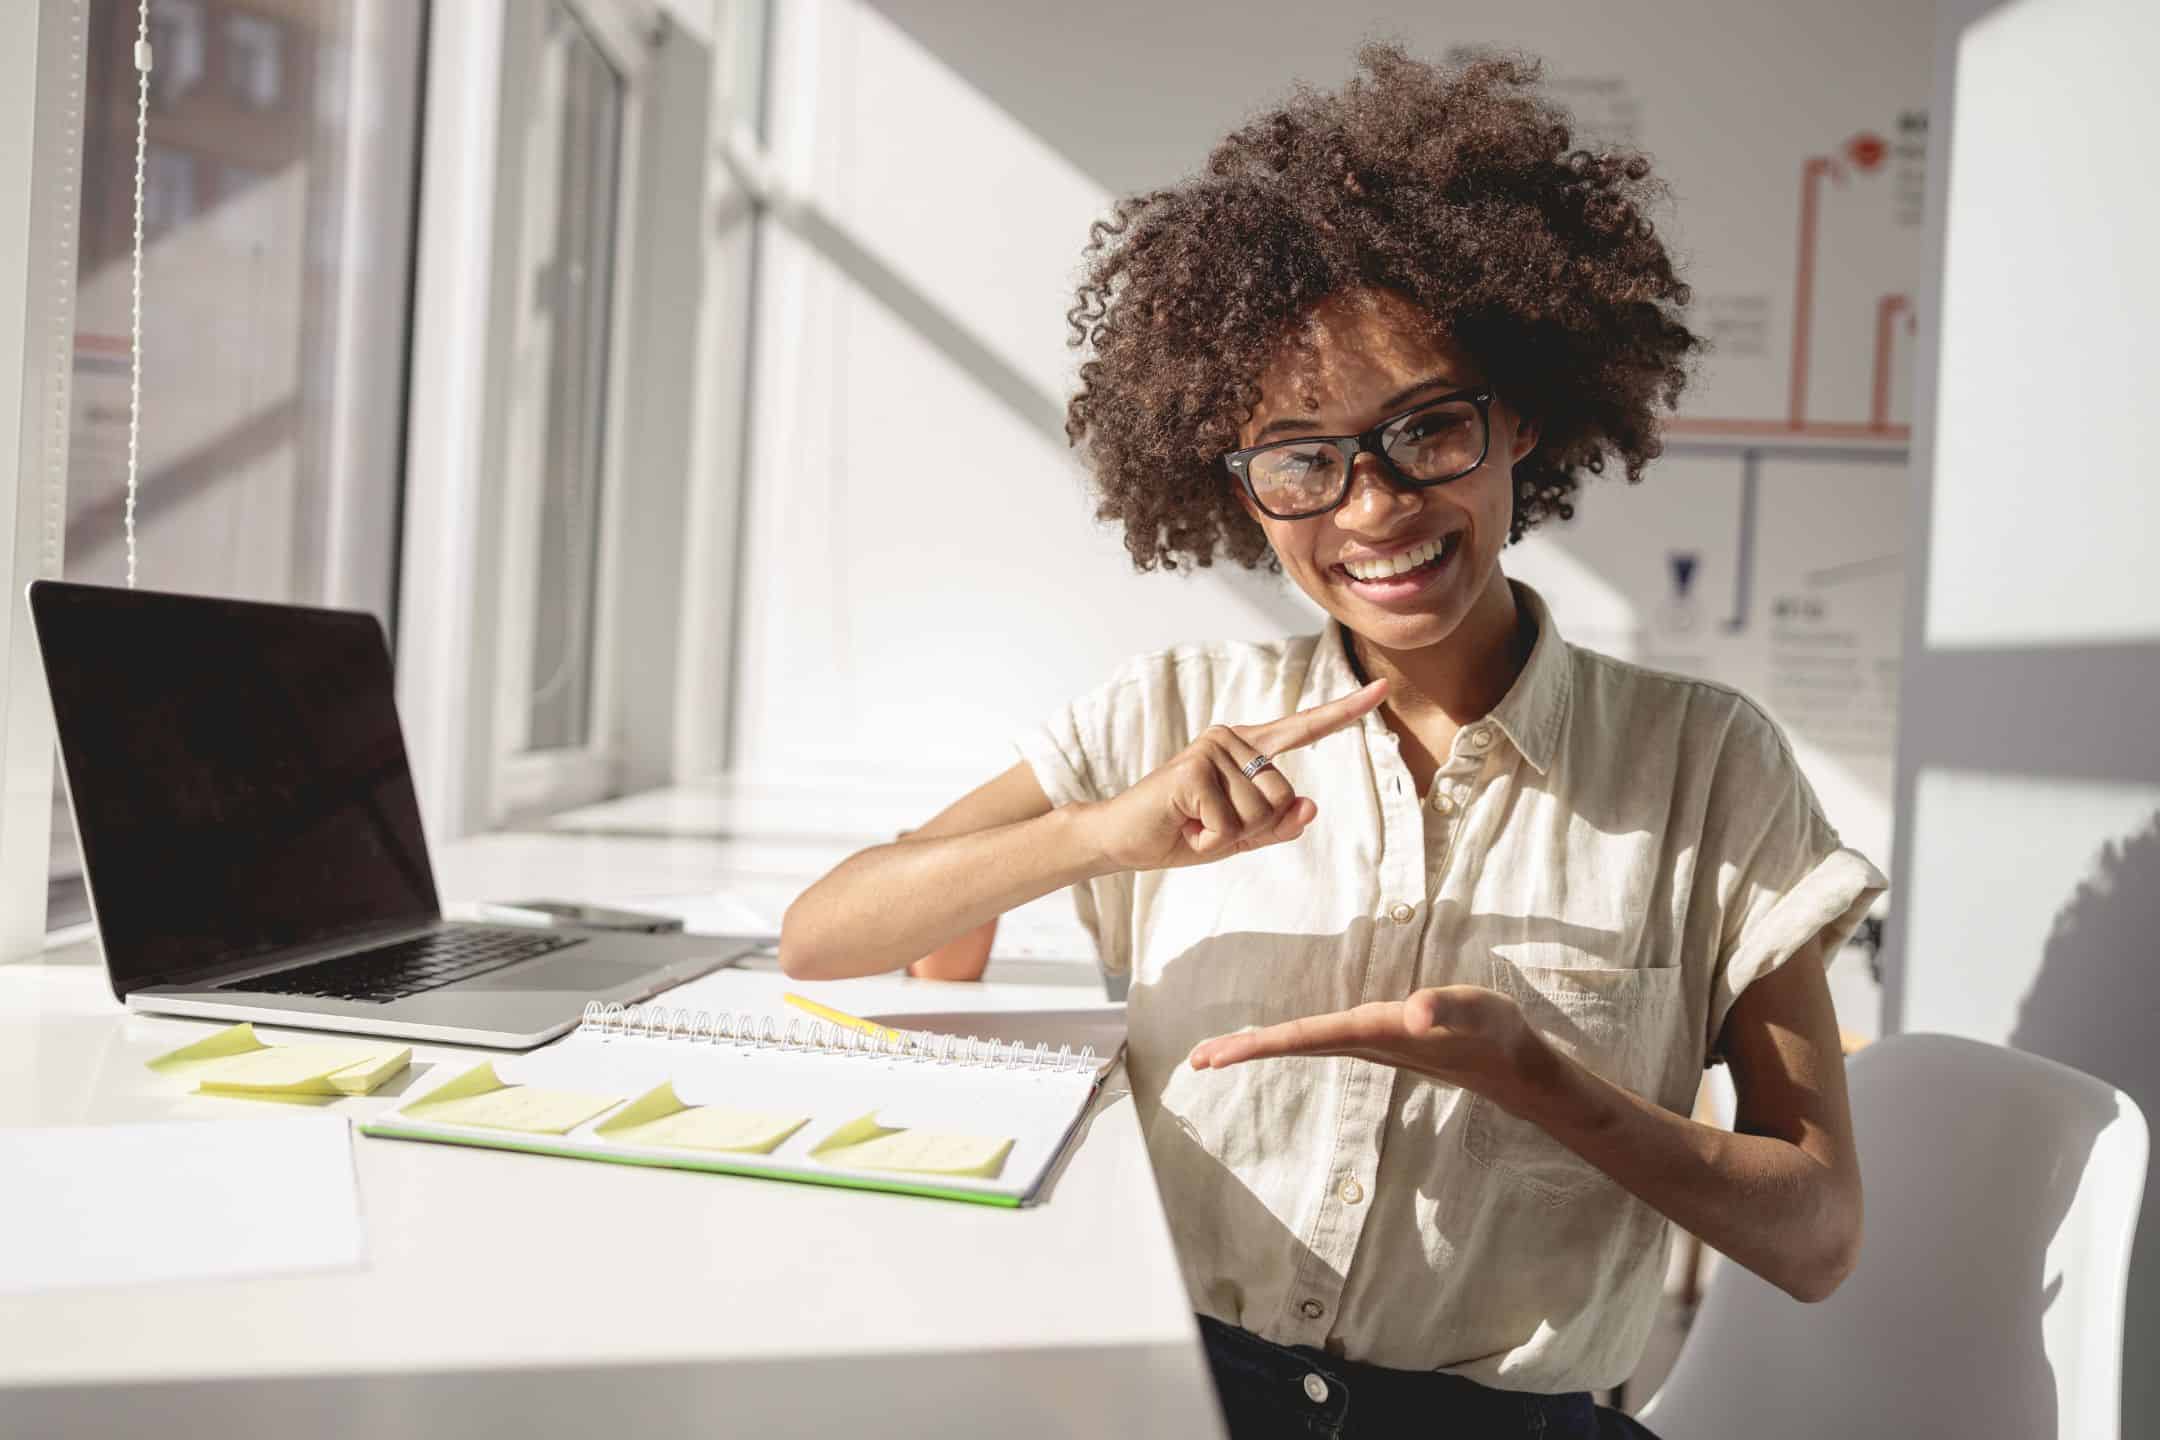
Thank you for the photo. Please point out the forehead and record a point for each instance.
(1350, 353)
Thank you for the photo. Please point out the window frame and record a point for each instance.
(527, 782)
(663, 626)
(41, 96)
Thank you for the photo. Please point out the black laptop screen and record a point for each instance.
(237, 774)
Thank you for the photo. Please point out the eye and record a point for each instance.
(1433, 424)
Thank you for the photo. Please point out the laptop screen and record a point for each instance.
(237, 774)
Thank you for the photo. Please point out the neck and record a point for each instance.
(1463, 676)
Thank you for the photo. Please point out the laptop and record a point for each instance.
(251, 838)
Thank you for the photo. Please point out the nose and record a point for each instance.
(1374, 501)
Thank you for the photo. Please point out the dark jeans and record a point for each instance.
(1276, 1392)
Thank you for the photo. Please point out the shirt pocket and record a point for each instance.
(1616, 1022)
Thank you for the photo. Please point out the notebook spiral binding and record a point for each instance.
(770, 1032)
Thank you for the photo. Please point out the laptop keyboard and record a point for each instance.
(392, 972)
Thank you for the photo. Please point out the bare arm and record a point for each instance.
(1003, 845)
(1780, 1193)
(998, 846)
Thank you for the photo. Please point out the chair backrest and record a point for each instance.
(2002, 1195)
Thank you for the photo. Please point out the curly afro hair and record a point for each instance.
(1454, 186)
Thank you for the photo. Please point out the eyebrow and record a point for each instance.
(1401, 397)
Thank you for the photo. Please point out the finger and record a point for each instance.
(1218, 820)
(1306, 726)
(1256, 809)
(1269, 783)
(1288, 826)
(1426, 1011)
(1309, 1035)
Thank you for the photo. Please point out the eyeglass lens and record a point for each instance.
(1439, 442)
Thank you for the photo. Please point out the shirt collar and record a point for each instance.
(1532, 712)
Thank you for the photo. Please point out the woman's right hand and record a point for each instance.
(1200, 807)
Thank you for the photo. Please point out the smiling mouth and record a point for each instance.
(1433, 561)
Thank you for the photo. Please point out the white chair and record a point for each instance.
(2002, 1195)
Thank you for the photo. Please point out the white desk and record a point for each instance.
(523, 1296)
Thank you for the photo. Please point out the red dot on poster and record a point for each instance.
(1867, 149)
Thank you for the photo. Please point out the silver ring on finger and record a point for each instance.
(1258, 763)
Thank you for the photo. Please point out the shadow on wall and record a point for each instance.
(2092, 1006)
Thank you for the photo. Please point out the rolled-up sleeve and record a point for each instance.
(1788, 878)
(1074, 754)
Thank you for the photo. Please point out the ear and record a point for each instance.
(1526, 436)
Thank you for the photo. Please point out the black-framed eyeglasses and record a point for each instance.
(1429, 444)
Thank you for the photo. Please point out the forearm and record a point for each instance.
(890, 905)
(1763, 1201)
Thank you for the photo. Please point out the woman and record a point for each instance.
(1433, 920)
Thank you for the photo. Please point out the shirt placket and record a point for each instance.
(1398, 921)
(1470, 764)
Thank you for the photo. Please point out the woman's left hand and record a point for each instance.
(1463, 1034)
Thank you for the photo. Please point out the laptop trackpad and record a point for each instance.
(570, 972)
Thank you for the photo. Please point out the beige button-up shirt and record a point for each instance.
(1623, 851)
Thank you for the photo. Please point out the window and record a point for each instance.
(555, 743)
(255, 60)
(570, 174)
(179, 35)
(275, 317)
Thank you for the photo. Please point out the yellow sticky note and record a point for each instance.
(232, 1040)
(866, 1145)
(479, 1098)
(855, 1132)
(661, 1119)
(236, 1062)
(305, 1068)
(363, 1076)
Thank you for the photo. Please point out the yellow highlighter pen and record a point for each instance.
(842, 1018)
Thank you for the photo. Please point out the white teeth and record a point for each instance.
(1394, 564)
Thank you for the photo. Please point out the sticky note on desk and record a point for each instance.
(236, 1061)
(866, 1145)
(480, 1098)
(660, 1118)
(305, 1068)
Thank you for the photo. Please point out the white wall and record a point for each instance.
(921, 574)
(2028, 770)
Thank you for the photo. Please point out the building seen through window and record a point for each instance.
(277, 252)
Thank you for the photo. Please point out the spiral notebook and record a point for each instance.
(971, 1117)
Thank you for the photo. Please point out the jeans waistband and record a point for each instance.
(1370, 1395)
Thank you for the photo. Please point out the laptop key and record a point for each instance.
(409, 967)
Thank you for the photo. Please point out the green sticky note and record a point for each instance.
(660, 1118)
(480, 1098)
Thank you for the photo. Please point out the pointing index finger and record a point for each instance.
(1306, 726)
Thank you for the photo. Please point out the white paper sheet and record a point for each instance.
(109, 1205)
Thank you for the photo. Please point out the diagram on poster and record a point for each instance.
(1765, 547)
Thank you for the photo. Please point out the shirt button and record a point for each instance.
(1481, 739)
(1443, 802)
(1315, 1388)
(1352, 1192)
(1401, 914)
(1312, 1309)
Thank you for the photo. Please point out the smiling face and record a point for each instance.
(1369, 355)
